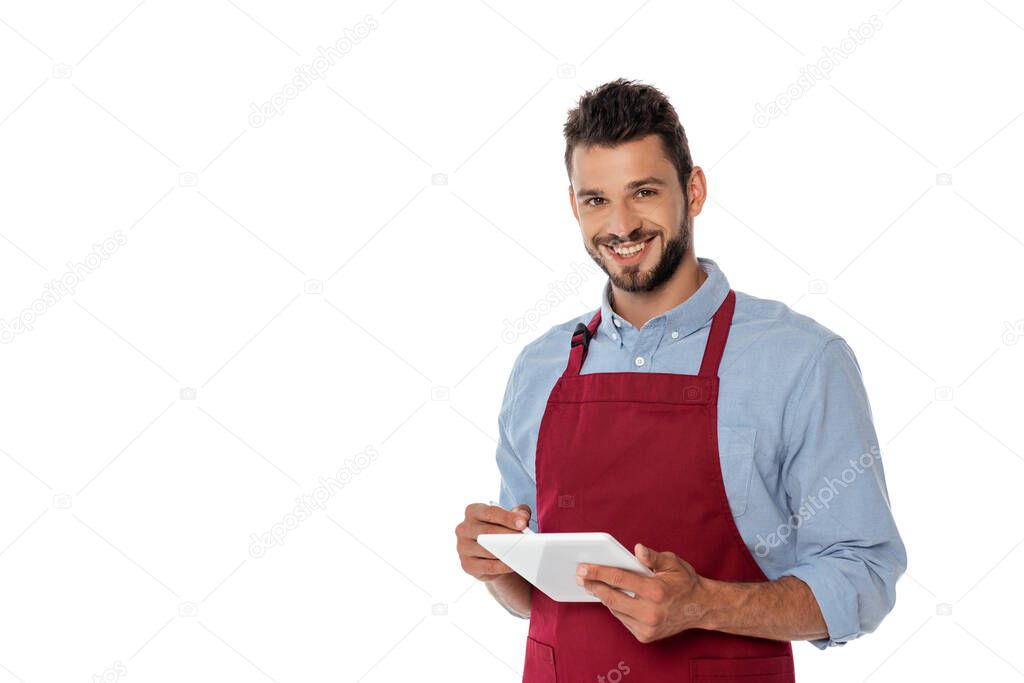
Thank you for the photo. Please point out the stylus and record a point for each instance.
(526, 529)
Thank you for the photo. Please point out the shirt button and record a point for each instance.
(617, 323)
(675, 335)
(639, 361)
(614, 336)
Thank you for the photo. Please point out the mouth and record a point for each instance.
(627, 253)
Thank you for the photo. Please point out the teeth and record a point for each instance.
(629, 251)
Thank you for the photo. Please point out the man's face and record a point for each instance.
(632, 212)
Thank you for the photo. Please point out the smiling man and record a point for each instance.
(725, 438)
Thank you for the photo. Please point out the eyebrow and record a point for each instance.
(634, 185)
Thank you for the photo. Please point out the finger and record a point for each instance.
(523, 508)
(620, 578)
(486, 528)
(634, 625)
(478, 566)
(612, 598)
(657, 561)
(646, 555)
(499, 516)
(470, 547)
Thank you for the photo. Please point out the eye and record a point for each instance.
(647, 190)
(592, 199)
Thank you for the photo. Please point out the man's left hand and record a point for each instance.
(671, 601)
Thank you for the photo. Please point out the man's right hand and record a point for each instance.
(481, 518)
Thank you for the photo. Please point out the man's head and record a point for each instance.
(633, 185)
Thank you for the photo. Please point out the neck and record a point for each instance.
(639, 307)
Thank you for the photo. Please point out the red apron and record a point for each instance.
(636, 455)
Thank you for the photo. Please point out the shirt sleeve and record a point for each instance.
(517, 482)
(848, 549)
(516, 486)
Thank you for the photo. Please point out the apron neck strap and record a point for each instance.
(580, 341)
(713, 351)
(716, 337)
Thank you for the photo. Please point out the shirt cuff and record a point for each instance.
(837, 599)
(515, 614)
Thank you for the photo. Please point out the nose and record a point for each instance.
(623, 222)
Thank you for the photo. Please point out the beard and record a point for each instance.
(632, 278)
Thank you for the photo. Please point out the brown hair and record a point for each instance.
(622, 111)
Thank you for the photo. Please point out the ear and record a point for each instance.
(697, 191)
(572, 203)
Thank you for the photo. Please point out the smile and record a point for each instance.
(628, 252)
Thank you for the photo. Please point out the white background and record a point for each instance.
(126, 511)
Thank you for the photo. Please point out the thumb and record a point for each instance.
(652, 558)
(523, 507)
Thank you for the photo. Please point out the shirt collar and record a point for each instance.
(684, 318)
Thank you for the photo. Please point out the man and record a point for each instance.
(725, 438)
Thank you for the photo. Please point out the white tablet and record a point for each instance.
(548, 561)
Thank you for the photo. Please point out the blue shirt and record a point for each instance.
(798, 450)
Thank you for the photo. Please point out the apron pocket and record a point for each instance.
(736, 452)
(540, 662)
(743, 670)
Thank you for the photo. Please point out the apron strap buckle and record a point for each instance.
(581, 331)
